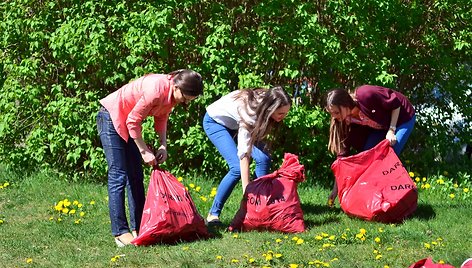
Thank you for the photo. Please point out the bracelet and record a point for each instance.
(392, 128)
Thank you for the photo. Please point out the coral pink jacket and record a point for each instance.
(148, 95)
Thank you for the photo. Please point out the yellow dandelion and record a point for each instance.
(198, 188)
(29, 260)
(378, 257)
(203, 198)
(72, 211)
(268, 257)
(65, 210)
(381, 230)
(359, 236)
(6, 184)
(434, 243)
(452, 196)
(324, 234)
(180, 179)
(234, 261)
(318, 237)
(191, 185)
(439, 239)
(79, 205)
(113, 259)
(377, 239)
(390, 248)
(293, 265)
(77, 221)
(334, 259)
(424, 179)
(219, 257)
(466, 190)
(67, 202)
(295, 238)
(417, 179)
(300, 241)
(376, 251)
(386, 266)
(278, 255)
(1, 187)
(441, 262)
(412, 175)
(92, 202)
(51, 218)
(327, 245)
(278, 240)
(332, 238)
(82, 214)
(440, 181)
(59, 219)
(75, 203)
(427, 245)
(235, 236)
(251, 260)
(362, 231)
(456, 185)
(185, 248)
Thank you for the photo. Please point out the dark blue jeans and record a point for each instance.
(124, 172)
(402, 133)
(222, 138)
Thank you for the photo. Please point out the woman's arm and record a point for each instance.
(393, 127)
(244, 166)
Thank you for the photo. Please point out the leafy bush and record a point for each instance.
(58, 58)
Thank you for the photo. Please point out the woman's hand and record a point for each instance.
(148, 157)
(332, 196)
(391, 137)
(161, 154)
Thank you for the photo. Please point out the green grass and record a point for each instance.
(32, 236)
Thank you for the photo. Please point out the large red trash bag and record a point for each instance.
(428, 263)
(271, 202)
(169, 213)
(373, 185)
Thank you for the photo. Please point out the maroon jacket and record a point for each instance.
(377, 103)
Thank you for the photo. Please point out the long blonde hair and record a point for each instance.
(263, 102)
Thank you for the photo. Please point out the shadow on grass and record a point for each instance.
(322, 213)
(424, 212)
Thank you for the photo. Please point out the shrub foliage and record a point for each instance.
(58, 58)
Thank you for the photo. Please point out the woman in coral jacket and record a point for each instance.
(249, 115)
(365, 118)
(119, 126)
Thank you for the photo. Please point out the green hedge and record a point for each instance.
(58, 58)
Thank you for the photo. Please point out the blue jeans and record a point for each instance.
(402, 133)
(124, 172)
(222, 138)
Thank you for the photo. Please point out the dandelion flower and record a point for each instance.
(380, 230)
(452, 196)
(251, 260)
(377, 239)
(75, 203)
(427, 245)
(185, 248)
(6, 184)
(318, 237)
(412, 175)
(440, 181)
(82, 214)
(278, 255)
(300, 241)
(268, 257)
(332, 238)
(203, 198)
(79, 205)
(293, 265)
(72, 211)
(362, 231)
(198, 188)
(378, 257)
(386, 266)
(191, 185)
(235, 236)
(180, 179)
(417, 179)
(219, 257)
(234, 261)
(278, 240)
(466, 190)
(92, 202)
(29, 260)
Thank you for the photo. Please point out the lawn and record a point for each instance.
(35, 234)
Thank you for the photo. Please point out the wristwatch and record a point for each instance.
(394, 128)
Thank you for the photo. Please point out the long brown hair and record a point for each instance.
(262, 103)
(190, 82)
(338, 129)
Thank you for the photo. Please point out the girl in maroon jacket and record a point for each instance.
(365, 118)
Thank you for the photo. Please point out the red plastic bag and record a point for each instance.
(271, 202)
(169, 213)
(374, 185)
(428, 263)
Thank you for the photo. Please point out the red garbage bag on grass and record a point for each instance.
(374, 185)
(428, 263)
(169, 213)
(271, 202)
